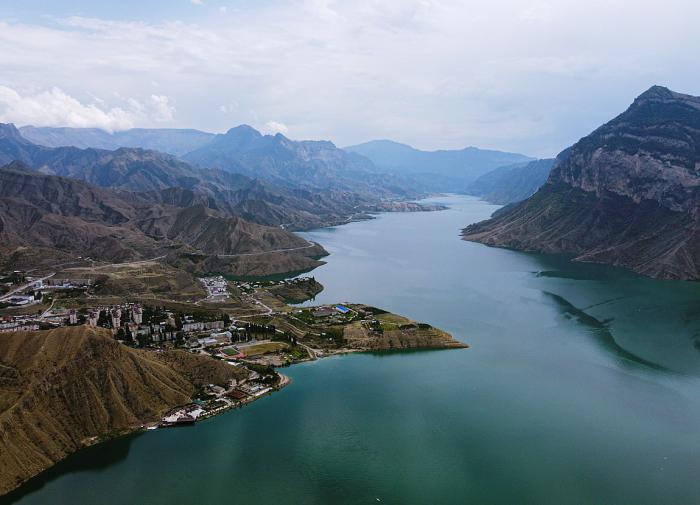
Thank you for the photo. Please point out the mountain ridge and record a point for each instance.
(67, 216)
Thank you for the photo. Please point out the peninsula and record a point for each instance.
(93, 353)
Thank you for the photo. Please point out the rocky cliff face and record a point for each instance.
(627, 194)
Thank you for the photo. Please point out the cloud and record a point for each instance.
(54, 107)
(163, 111)
(274, 127)
(528, 76)
(197, 2)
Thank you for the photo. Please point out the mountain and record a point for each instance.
(316, 165)
(63, 216)
(512, 183)
(628, 194)
(125, 168)
(67, 388)
(163, 178)
(443, 170)
(172, 141)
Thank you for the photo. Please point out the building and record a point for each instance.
(224, 334)
(214, 325)
(116, 314)
(137, 314)
(93, 316)
(192, 326)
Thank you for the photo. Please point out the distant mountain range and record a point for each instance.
(380, 168)
(167, 179)
(316, 165)
(628, 194)
(512, 183)
(167, 140)
(435, 171)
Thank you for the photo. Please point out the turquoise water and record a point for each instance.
(582, 385)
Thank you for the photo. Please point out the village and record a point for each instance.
(249, 324)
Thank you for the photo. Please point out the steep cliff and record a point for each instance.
(627, 194)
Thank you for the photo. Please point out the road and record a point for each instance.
(46, 312)
(309, 246)
(268, 312)
(129, 263)
(25, 286)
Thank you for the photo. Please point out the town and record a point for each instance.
(250, 324)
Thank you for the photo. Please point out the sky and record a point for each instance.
(517, 75)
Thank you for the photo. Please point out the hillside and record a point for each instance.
(626, 195)
(442, 170)
(512, 183)
(63, 389)
(67, 216)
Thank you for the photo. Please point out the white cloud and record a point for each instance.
(54, 107)
(223, 9)
(163, 111)
(274, 127)
(197, 2)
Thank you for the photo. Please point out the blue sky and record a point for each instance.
(519, 75)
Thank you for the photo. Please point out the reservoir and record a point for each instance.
(582, 385)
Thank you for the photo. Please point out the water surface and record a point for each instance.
(582, 385)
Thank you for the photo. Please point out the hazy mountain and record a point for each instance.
(628, 194)
(63, 389)
(124, 168)
(60, 215)
(512, 183)
(167, 179)
(168, 140)
(443, 170)
(299, 164)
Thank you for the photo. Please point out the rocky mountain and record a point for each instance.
(435, 171)
(60, 215)
(125, 168)
(512, 183)
(67, 388)
(163, 178)
(315, 165)
(628, 194)
(167, 140)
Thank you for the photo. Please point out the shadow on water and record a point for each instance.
(91, 459)
(601, 330)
